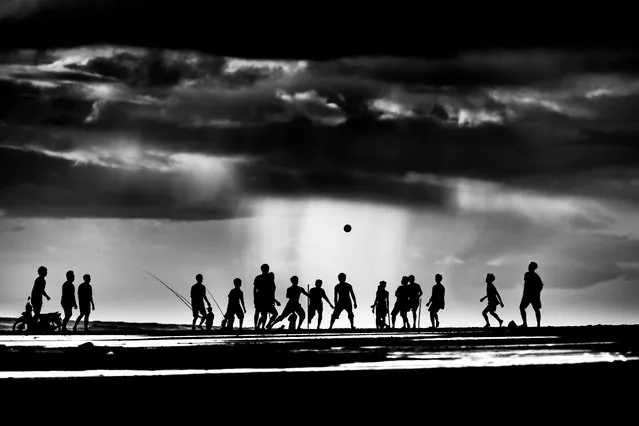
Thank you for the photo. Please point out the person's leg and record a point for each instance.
(301, 315)
(311, 314)
(86, 322)
(522, 310)
(240, 317)
(351, 316)
(319, 317)
(256, 318)
(336, 312)
(67, 317)
(538, 315)
(484, 314)
(394, 313)
(494, 314)
(437, 319)
(432, 319)
(414, 309)
(77, 321)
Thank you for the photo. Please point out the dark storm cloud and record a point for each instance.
(38, 185)
(351, 127)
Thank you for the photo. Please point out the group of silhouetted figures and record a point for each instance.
(408, 299)
(32, 316)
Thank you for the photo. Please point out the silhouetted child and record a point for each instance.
(402, 301)
(198, 297)
(532, 294)
(209, 318)
(316, 296)
(85, 299)
(293, 305)
(380, 306)
(236, 306)
(68, 299)
(414, 298)
(38, 291)
(28, 309)
(343, 294)
(494, 299)
(436, 301)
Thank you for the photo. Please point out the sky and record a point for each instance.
(182, 154)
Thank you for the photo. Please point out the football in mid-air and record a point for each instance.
(347, 228)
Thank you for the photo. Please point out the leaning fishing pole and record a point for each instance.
(215, 301)
(178, 295)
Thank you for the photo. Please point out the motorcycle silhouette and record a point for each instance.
(46, 323)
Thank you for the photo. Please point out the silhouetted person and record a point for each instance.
(532, 294)
(401, 303)
(414, 297)
(38, 291)
(259, 289)
(236, 306)
(198, 297)
(269, 302)
(68, 299)
(209, 318)
(381, 306)
(343, 294)
(494, 299)
(85, 300)
(28, 309)
(436, 301)
(293, 305)
(316, 296)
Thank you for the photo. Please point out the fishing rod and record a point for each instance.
(178, 295)
(218, 306)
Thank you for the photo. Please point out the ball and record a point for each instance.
(347, 228)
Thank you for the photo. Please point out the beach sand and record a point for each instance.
(344, 376)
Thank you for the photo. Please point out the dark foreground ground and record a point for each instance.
(546, 375)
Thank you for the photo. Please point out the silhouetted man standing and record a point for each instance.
(198, 297)
(494, 299)
(401, 303)
(343, 294)
(293, 305)
(85, 299)
(259, 289)
(68, 299)
(381, 306)
(37, 292)
(316, 296)
(436, 301)
(532, 294)
(414, 297)
(236, 306)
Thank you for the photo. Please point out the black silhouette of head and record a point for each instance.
(294, 280)
(411, 279)
(341, 277)
(199, 278)
(404, 280)
(86, 278)
(490, 278)
(533, 266)
(70, 276)
(382, 284)
(265, 268)
(237, 282)
(42, 271)
(438, 278)
(318, 283)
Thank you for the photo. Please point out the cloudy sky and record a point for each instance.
(189, 155)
